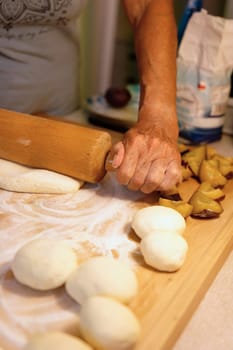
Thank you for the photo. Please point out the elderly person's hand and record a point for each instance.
(147, 158)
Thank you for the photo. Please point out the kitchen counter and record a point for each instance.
(211, 326)
(25, 216)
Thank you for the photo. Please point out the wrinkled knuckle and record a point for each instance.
(163, 188)
(166, 186)
(137, 181)
(123, 177)
(133, 186)
(145, 189)
(148, 188)
(174, 172)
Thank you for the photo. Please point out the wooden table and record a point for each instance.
(96, 221)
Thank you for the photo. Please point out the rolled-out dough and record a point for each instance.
(19, 178)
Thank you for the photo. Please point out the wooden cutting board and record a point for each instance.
(169, 299)
(96, 221)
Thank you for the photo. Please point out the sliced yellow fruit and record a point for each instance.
(211, 192)
(204, 207)
(186, 172)
(194, 158)
(172, 194)
(183, 148)
(210, 152)
(184, 208)
(225, 165)
(210, 173)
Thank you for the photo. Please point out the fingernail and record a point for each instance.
(114, 161)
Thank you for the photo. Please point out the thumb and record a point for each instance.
(115, 157)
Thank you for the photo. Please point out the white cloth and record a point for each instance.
(39, 55)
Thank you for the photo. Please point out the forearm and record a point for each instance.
(155, 44)
(148, 158)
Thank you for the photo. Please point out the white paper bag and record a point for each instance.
(204, 67)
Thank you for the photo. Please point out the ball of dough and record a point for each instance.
(56, 341)
(157, 218)
(102, 276)
(44, 264)
(164, 251)
(107, 324)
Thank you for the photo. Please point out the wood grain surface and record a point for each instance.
(53, 144)
(96, 221)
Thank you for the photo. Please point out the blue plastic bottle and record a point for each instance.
(191, 7)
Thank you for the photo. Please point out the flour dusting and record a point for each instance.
(94, 221)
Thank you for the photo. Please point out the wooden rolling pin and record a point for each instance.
(49, 143)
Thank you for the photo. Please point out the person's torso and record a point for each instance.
(32, 12)
(39, 55)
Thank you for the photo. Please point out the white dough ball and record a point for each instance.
(107, 324)
(56, 341)
(44, 264)
(164, 251)
(102, 276)
(157, 218)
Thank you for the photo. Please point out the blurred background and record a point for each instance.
(107, 43)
